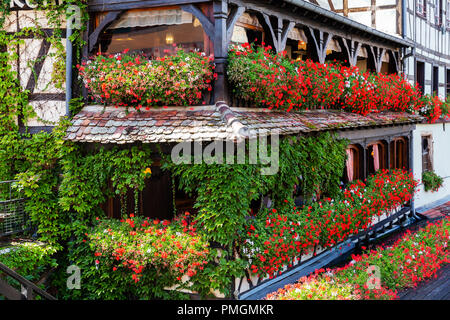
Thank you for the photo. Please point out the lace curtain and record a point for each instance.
(350, 161)
(150, 18)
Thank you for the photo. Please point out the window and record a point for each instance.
(448, 82)
(427, 153)
(435, 80)
(438, 12)
(154, 32)
(156, 200)
(354, 164)
(448, 15)
(398, 153)
(375, 157)
(421, 8)
(297, 44)
(420, 75)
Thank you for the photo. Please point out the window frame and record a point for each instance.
(207, 42)
(382, 149)
(447, 16)
(438, 13)
(429, 137)
(357, 163)
(397, 154)
(421, 8)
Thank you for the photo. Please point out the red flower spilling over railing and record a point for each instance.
(134, 80)
(273, 81)
(431, 107)
(137, 244)
(413, 258)
(278, 238)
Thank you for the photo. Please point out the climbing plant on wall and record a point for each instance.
(35, 159)
(224, 192)
(14, 100)
(65, 183)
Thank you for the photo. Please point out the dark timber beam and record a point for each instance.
(320, 40)
(394, 61)
(375, 57)
(351, 49)
(114, 5)
(207, 25)
(284, 34)
(38, 64)
(277, 28)
(220, 9)
(306, 18)
(234, 15)
(109, 18)
(388, 152)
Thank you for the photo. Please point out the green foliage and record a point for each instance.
(86, 175)
(35, 159)
(431, 181)
(39, 179)
(13, 100)
(65, 183)
(314, 163)
(137, 258)
(254, 71)
(224, 192)
(446, 107)
(98, 281)
(129, 168)
(29, 259)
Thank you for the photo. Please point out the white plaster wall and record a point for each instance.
(441, 161)
(48, 112)
(386, 20)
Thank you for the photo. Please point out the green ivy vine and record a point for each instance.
(224, 192)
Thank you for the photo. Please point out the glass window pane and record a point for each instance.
(154, 33)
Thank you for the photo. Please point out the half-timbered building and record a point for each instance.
(303, 29)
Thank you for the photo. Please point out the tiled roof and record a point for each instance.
(208, 123)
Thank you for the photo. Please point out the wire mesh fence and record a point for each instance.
(13, 217)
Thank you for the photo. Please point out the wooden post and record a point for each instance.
(234, 15)
(388, 152)
(375, 57)
(109, 18)
(345, 7)
(320, 40)
(351, 49)
(220, 8)
(277, 29)
(364, 145)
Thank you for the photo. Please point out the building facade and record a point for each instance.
(304, 30)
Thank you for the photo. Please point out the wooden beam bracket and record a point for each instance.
(351, 49)
(109, 18)
(233, 16)
(394, 55)
(278, 30)
(376, 56)
(321, 40)
(207, 25)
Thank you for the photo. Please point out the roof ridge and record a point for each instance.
(231, 119)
